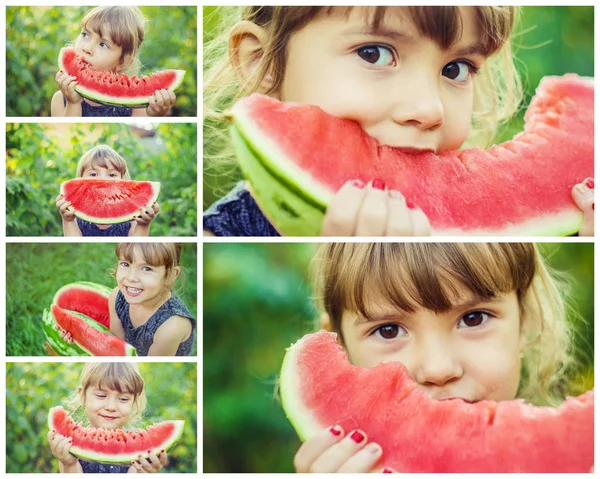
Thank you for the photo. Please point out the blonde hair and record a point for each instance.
(125, 26)
(425, 275)
(122, 377)
(154, 254)
(498, 90)
(103, 156)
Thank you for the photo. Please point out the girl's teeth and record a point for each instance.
(134, 290)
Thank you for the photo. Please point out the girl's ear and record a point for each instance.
(247, 42)
(176, 271)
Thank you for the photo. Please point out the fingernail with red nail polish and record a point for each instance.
(335, 430)
(387, 471)
(589, 183)
(409, 204)
(378, 184)
(357, 437)
(357, 183)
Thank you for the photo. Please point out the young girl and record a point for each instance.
(112, 397)
(103, 162)
(110, 40)
(143, 309)
(418, 78)
(477, 321)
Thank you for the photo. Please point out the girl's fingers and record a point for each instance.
(583, 195)
(138, 467)
(163, 458)
(373, 215)
(314, 447)
(363, 460)
(147, 465)
(155, 207)
(420, 223)
(171, 97)
(342, 212)
(333, 458)
(399, 218)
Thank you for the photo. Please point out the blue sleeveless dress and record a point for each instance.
(237, 214)
(142, 337)
(98, 468)
(101, 110)
(91, 229)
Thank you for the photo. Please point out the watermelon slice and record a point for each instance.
(109, 201)
(114, 446)
(116, 88)
(89, 337)
(320, 388)
(297, 156)
(85, 297)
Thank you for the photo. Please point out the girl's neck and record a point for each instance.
(151, 306)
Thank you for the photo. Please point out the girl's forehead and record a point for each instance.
(102, 30)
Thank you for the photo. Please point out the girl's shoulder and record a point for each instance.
(237, 214)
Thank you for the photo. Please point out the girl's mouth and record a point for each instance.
(133, 291)
(108, 418)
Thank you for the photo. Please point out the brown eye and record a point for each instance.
(458, 71)
(476, 318)
(389, 331)
(376, 55)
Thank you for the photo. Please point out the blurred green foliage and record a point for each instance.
(35, 35)
(547, 41)
(257, 301)
(33, 388)
(31, 266)
(39, 157)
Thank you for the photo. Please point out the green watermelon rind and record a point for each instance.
(123, 459)
(286, 209)
(131, 102)
(118, 219)
(63, 348)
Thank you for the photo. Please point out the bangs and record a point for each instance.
(122, 25)
(106, 25)
(411, 276)
(443, 25)
(116, 377)
(153, 254)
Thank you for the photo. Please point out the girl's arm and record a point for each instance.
(170, 335)
(70, 228)
(115, 323)
(58, 108)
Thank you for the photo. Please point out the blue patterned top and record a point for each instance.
(98, 468)
(237, 214)
(91, 229)
(101, 110)
(142, 337)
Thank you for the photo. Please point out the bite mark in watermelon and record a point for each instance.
(116, 88)
(109, 201)
(87, 298)
(296, 157)
(89, 337)
(320, 388)
(114, 446)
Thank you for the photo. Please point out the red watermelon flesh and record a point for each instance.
(109, 201)
(320, 388)
(87, 298)
(522, 186)
(114, 446)
(116, 88)
(97, 343)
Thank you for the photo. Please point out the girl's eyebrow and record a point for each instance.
(382, 32)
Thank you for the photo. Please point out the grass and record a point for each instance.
(35, 271)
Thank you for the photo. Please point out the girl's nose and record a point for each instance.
(132, 274)
(419, 104)
(437, 366)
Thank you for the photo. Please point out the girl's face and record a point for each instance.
(102, 172)
(471, 352)
(401, 87)
(101, 52)
(107, 408)
(141, 283)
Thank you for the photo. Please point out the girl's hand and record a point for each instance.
(153, 463)
(147, 215)
(161, 103)
(60, 445)
(65, 209)
(67, 83)
(371, 210)
(583, 195)
(330, 451)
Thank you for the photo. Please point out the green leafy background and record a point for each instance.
(257, 302)
(39, 157)
(36, 271)
(547, 41)
(33, 388)
(35, 35)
